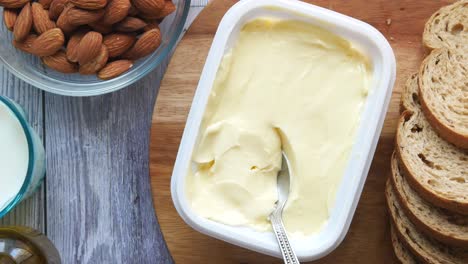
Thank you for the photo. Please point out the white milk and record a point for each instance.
(14, 156)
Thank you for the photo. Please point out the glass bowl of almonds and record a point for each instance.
(88, 47)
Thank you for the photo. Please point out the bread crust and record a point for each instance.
(421, 225)
(427, 194)
(447, 133)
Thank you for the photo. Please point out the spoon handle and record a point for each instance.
(280, 232)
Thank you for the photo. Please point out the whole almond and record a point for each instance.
(145, 45)
(13, 3)
(9, 18)
(149, 6)
(116, 11)
(168, 8)
(101, 27)
(89, 47)
(130, 24)
(56, 8)
(26, 44)
(114, 69)
(23, 23)
(97, 63)
(72, 45)
(59, 62)
(62, 21)
(118, 43)
(77, 16)
(49, 42)
(45, 3)
(89, 4)
(41, 20)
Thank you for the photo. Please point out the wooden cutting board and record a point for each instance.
(368, 240)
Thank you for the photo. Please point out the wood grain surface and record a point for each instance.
(368, 240)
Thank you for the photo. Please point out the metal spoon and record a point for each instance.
(276, 217)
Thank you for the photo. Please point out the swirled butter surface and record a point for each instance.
(284, 85)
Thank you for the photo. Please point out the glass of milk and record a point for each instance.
(22, 159)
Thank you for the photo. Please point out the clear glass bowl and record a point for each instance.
(36, 164)
(30, 68)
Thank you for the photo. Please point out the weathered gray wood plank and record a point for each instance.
(30, 212)
(98, 193)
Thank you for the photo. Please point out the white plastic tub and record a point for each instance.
(365, 38)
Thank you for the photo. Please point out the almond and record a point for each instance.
(149, 6)
(77, 16)
(130, 24)
(168, 8)
(72, 45)
(23, 23)
(48, 43)
(9, 18)
(41, 20)
(97, 63)
(101, 27)
(59, 62)
(133, 11)
(116, 11)
(45, 3)
(151, 25)
(56, 8)
(13, 3)
(114, 69)
(89, 47)
(62, 21)
(26, 44)
(89, 4)
(145, 45)
(118, 43)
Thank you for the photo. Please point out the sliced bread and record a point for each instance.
(410, 95)
(423, 248)
(443, 89)
(448, 27)
(436, 169)
(403, 255)
(441, 224)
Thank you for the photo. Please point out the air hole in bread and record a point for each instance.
(416, 129)
(253, 168)
(425, 160)
(437, 61)
(457, 29)
(415, 98)
(437, 21)
(432, 182)
(458, 179)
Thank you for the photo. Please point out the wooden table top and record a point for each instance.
(368, 239)
(95, 204)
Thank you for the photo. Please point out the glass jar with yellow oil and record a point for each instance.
(24, 245)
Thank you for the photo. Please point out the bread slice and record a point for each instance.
(444, 226)
(436, 169)
(443, 86)
(448, 27)
(410, 95)
(403, 255)
(423, 248)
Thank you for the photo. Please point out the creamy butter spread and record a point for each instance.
(284, 85)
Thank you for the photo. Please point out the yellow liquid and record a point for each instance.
(23, 245)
